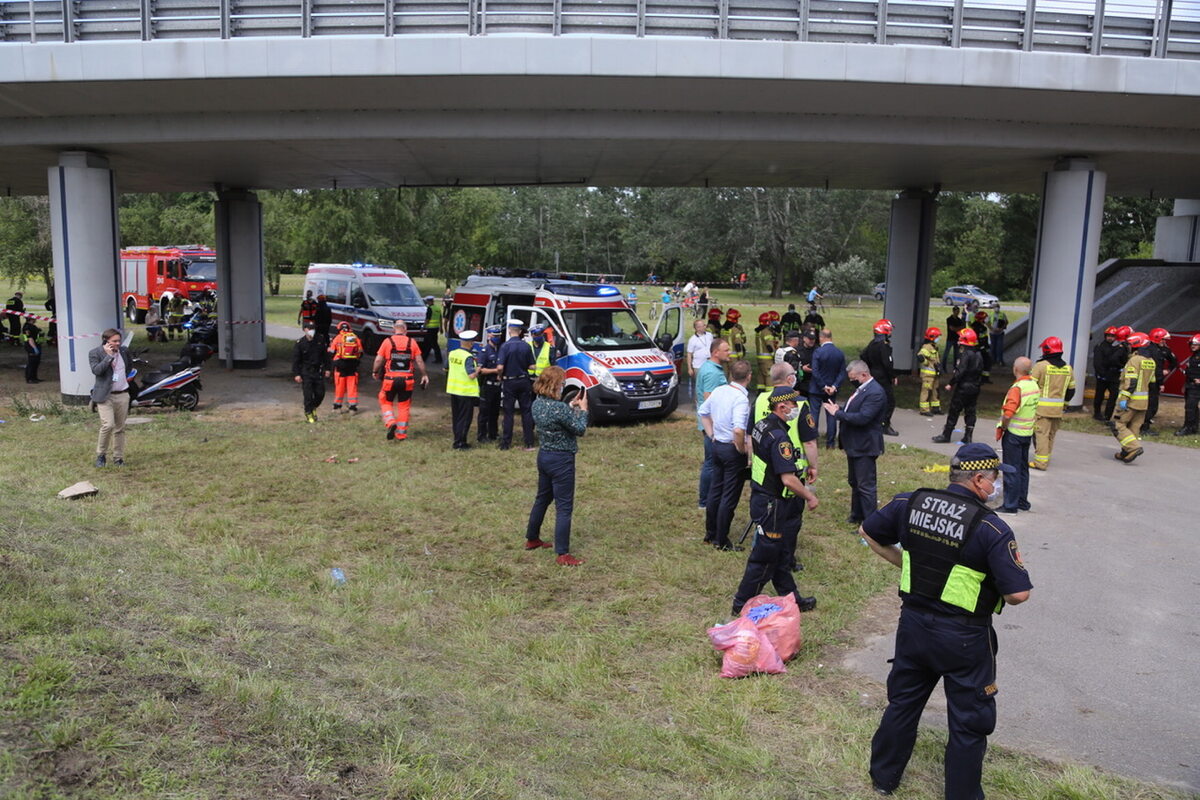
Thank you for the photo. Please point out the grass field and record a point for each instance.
(179, 636)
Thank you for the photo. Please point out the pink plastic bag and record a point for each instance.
(746, 649)
(779, 619)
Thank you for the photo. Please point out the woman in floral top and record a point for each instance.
(558, 425)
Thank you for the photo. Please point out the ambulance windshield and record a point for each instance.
(605, 329)
(393, 294)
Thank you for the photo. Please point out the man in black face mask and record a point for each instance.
(861, 437)
(489, 386)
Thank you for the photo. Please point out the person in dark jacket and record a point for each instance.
(15, 305)
(311, 365)
(980, 325)
(559, 425)
(1107, 363)
(1191, 391)
(878, 356)
(954, 324)
(323, 318)
(828, 375)
(964, 385)
(1164, 362)
(30, 338)
(861, 438)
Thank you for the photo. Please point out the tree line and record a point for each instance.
(780, 238)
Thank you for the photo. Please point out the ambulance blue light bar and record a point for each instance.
(582, 289)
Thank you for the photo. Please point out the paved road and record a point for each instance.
(1100, 666)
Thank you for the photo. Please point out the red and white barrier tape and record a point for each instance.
(39, 317)
(244, 321)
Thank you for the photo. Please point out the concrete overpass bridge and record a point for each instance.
(1071, 99)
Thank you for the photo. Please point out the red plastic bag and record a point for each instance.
(779, 619)
(746, 649)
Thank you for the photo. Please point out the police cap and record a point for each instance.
(513, 322)
(781, 393)
(493, 330)
(978, 456)
(468, 336)
(538, 330)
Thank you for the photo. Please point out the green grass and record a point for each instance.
(179, 636)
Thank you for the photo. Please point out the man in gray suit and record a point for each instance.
(111, 364)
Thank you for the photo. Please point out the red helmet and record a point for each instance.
(343, 326)
(733, 315)
(764, 318)
(968, 337)
(1195, 339)
(1051, 345)
(714, 313)
(1137, 339)
(884, 326)
(1123, 333)
(981, 316)
(774, 316)
(1159, 335)
(933, 333)
(1110, 331)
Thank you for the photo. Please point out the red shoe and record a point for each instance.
(568, 560)
(534, 544)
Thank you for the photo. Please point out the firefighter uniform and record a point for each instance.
(958, 562)
(775, 510)
(175, 316)
(734, 333)
(489, 388)
(347, 351)
(1057, 384)
(462, 384)
(399, 354)
(308, 310)
(930, 365)
(766, 342)
(714, 322)
(964, 385)
(1132, 402)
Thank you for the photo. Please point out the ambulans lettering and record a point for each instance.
(635, 360)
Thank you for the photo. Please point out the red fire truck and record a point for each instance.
(159, 274)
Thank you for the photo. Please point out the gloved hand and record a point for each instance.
(1122, 404)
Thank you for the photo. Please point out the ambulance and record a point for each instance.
(371, 298)
(599, 341)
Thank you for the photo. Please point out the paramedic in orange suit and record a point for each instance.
(347, 350)
(399, 357)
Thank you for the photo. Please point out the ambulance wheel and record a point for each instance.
(187, 400)
(671, 406)
(370, 341)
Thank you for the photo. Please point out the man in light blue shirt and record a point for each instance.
(725, 415)
(709, 376)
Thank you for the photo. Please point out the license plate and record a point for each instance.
(643, 405)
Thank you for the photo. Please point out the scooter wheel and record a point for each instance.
(187, 401)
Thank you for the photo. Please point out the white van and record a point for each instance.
(599, 341)
(370, 298)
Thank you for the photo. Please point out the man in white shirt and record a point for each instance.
(725, 415)
(698, 347)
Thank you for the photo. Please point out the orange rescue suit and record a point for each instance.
(347, 349)
(395, 396)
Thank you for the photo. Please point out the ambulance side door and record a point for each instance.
(531, 316)
(670, 332)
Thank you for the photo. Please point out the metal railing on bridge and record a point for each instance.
(1148, 28)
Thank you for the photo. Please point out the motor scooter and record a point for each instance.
(177, 386)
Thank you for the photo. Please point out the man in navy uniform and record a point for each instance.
(778, 497)
(489, 386)
(959, 564)
(515, 359)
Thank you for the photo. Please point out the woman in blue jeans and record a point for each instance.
(558, 425)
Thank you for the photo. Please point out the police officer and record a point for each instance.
(1191, 391)
(878, 356)
(778, 497)
(543, 351)
(310, 368)
(433, 326)
(346, 349)
(462, 384)
(515, 360)
(964, 383)
(1056, 381)
(1164, 363)
(959, 564)
(397, 361)
(489, 386)
(1136, 380)
(930, 365)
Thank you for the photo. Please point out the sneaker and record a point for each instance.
(806, 603)
(310, 417)
(391, 434)
(534, 544)
(1008, 512)
(118, 462)
(101, 461)
(568, 560)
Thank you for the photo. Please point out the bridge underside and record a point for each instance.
(174, 135)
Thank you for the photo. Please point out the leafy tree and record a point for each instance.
(25, 241)
(166, 219)
(852, 276)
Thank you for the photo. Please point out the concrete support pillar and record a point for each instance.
(86, 246)
(241, 311)
(909, 267)
(1064, 273)
(1177, 237)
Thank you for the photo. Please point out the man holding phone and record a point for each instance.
(111, 364)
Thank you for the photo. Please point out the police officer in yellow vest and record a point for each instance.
(1057, 384)
(930, 364)
(462, 384)
(959, 564)
(543, 351)
(1014, 432)
(433, 326)
(783, 375)
(778, 497)
(1134, 397)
